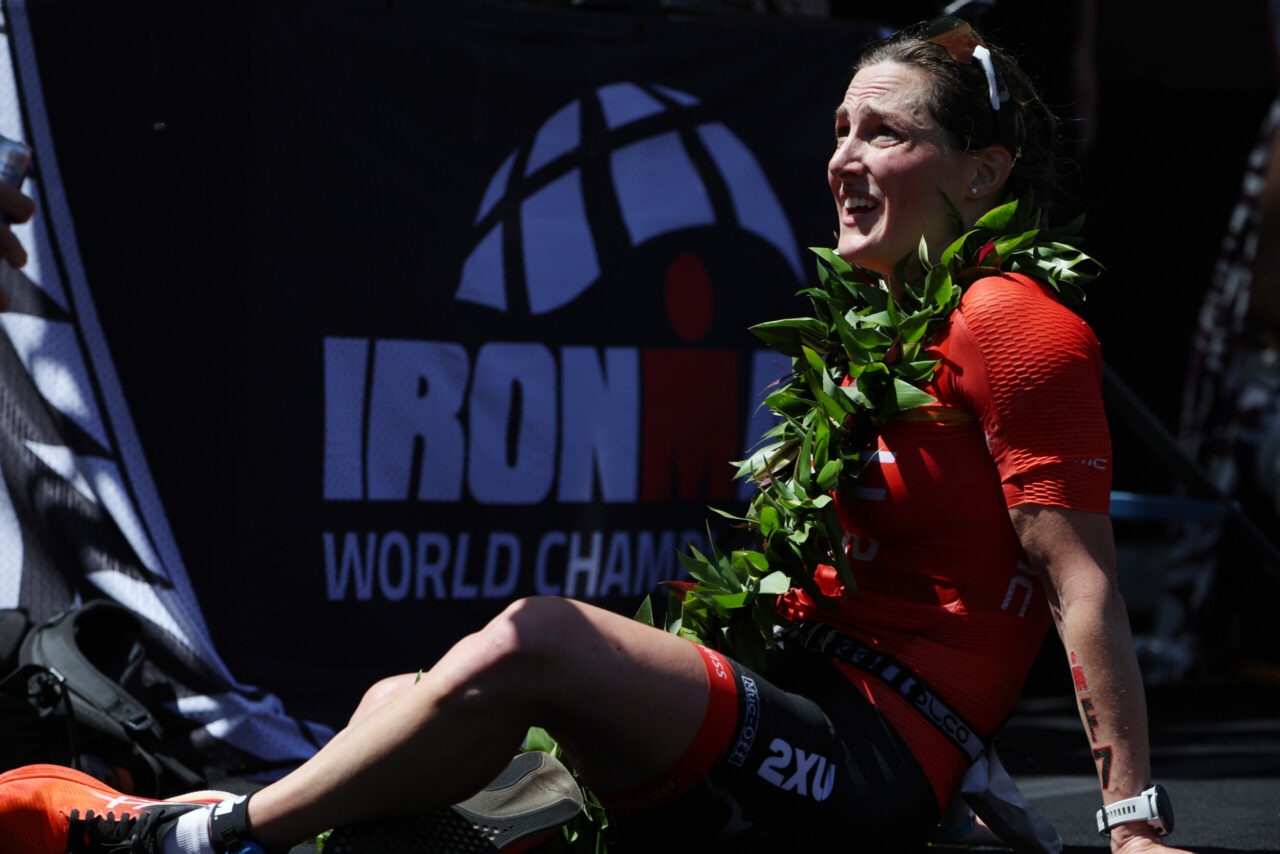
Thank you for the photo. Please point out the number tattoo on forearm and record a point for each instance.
(1101, 753)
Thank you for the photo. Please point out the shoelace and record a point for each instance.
(108, 833)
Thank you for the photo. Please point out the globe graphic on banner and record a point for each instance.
(662, 162)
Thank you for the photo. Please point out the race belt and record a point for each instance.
(836, 644)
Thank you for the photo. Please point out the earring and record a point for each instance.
(973, 191)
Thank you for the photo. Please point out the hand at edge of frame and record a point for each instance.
(1139, 839)
(18, 208)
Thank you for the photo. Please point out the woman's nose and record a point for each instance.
(847, 157)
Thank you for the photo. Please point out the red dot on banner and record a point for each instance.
(688, 294)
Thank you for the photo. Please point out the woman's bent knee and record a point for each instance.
(530, 630)
(531, 650)
(540, 626)
(380, 692)
(507, 656)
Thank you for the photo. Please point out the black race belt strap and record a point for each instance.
(836, 644)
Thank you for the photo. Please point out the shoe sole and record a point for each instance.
(523, 806)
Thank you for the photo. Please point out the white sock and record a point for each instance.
(190, 833)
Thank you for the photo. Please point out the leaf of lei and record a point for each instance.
(858, 362)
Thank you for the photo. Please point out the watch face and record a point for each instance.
(1164, 808)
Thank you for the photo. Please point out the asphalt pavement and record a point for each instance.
(1215, 747)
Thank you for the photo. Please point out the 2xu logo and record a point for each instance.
(775, 767)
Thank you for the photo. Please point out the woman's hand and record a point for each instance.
(1142, 841)
(14, 208)
(18, 208)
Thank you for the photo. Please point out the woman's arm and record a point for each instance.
(1074, 553)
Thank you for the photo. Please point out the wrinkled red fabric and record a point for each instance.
(944, 585)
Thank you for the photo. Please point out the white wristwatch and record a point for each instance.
(1152, 806)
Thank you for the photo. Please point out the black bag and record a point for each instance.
(27, 698)
(66, 702)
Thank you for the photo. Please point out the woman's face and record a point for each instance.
(891, 160)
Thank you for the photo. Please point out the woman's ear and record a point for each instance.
(992, 166)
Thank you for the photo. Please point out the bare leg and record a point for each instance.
(380, 692)
(623, 698)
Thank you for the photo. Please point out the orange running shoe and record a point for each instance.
(50, 809)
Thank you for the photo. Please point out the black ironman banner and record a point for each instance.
(472, 284)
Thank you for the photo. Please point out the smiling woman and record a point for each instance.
(933, 113)
(943, 465)
(892, 160)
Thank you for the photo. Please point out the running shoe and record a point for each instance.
(49, 809)
(523, 806)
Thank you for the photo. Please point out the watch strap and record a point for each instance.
(1144, 807)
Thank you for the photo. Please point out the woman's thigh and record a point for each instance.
(809, 760)
(624, 699)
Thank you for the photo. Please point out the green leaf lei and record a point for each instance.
(856, 363)
(859, 332)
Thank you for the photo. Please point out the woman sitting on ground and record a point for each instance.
(983, 517)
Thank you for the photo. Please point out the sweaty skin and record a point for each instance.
(892, 159)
